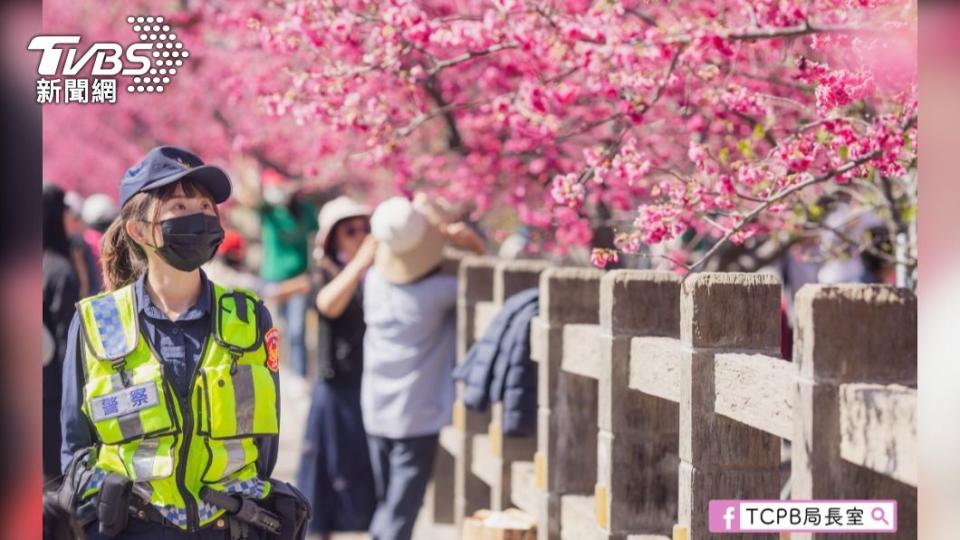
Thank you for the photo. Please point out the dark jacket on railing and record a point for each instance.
(498, 366)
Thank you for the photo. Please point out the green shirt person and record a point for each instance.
(287, 223)
(285, 231)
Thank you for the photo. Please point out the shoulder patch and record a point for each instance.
(272, 342)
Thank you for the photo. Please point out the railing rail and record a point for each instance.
(656, 396)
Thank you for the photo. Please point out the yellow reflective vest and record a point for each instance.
(169, 447)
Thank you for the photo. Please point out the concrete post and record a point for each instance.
(722, 458)
(566, 455)
(438, 500)
(510, 277)
(849, 334)
(476, 285)
(636, 489)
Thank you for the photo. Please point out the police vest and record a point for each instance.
(172, 446)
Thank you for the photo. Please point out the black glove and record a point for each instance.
(75, 480)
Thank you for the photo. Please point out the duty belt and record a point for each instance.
(139, 509)
(243, 509)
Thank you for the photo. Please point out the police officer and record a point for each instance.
(171, 379)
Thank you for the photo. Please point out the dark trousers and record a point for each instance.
(401, 470)
(334, 472)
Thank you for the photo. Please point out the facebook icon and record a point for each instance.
(728, 518)
(724, 516)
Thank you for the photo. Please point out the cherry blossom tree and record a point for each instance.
(723, 121)
(703, 131)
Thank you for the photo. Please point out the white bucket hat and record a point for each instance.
(98, 209)
(411, 244)
(334, 212)
(74, 202)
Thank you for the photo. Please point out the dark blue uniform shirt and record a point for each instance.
(179, 343)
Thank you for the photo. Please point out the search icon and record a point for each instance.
(878, 514)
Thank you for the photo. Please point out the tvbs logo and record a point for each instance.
(107, 57)
(150, 63)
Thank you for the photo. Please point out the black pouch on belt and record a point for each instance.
(292, 507)
(113, 505)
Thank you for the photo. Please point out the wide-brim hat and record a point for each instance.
(334, 212)
(410, 242)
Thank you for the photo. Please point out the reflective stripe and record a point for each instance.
(112, 337)
(130, 425)
(243, 398)
(229, 458)
(144, 458)
(236, 456)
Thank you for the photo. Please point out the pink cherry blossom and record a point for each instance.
(601, 258)
(567, 190)
(722, 117)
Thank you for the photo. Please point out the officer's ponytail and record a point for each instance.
(121, 259)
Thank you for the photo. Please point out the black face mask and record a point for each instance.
(190, 241)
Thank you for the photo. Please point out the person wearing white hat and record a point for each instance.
(81, 253)
(98, 213)
(337, 483)
(409, 350)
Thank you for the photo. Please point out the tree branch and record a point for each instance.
(454, 140)
(425, 117)
(771, 140)
(588, 127)
(869, 248)
(892, 202)
(643, 16)
(255, 152)
(615, 146)
(806, 28)
(799, 30)
(467, 56)
(757, 210)
(752, 215)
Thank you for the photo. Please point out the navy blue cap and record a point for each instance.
(165, 165)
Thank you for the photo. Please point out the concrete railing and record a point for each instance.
(656, 396)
